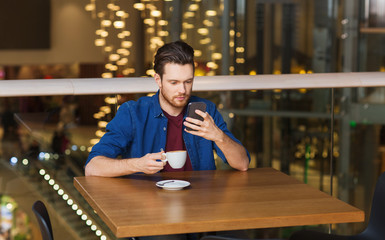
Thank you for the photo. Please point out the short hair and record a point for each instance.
(177, 52)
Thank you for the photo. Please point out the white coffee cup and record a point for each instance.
(176, 159)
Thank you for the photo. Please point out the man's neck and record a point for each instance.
(167, 107)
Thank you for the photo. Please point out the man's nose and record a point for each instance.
(182, 88)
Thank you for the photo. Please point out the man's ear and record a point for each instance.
(158, 80)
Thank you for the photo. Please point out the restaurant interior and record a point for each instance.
(331, 139)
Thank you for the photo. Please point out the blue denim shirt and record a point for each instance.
(140, 127)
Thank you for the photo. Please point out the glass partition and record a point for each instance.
(289, 130)
(45, 140)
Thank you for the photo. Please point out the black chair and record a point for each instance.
(376, 226)
(42, 217)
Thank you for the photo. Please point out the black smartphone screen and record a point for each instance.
(191, 111)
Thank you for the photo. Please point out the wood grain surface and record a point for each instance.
(216, 201)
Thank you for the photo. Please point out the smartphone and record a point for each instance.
(191, 107)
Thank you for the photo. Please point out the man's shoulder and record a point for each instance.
(141, 107)
(145, 100)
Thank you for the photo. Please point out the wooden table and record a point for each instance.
(216, 201)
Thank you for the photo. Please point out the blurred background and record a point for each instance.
(45, 140)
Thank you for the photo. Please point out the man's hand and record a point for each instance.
(149, 163)
(206, 128)
(235, 153)
(110, 167)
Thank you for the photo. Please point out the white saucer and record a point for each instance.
(172, 184)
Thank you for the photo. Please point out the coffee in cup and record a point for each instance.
(176, 159)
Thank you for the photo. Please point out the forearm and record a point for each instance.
(109, 167)
(234, 152)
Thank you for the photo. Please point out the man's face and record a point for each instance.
(176, 84)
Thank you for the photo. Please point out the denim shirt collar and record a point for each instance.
(156, 105)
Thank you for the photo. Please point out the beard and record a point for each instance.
(173, 101)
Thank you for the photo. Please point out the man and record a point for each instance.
(142, 129)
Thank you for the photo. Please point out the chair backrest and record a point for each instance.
(377, 213)
(42, 216)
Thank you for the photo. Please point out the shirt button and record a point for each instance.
(164, 129)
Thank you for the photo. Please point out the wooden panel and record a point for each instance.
(25, 24)
(216, 201)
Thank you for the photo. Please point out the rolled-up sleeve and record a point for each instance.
(117, 137)
(218, 119)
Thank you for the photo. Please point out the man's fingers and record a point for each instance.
(155, 156)
(193, 120)
(192, 126)
(155, 163)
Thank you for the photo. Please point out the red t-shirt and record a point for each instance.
(175, 141)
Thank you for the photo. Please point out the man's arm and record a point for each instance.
(109, 167)
(234, 152)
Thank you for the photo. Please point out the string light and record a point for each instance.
(194, 7)
(25, 162)
(119, 24)
(71, 203)
(139, 6)
(203, 31)
(156, 13)
(211, 13)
